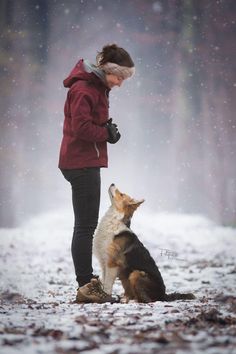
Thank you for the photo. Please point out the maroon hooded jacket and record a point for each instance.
(86, 112)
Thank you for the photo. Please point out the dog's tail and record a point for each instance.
(178, 296)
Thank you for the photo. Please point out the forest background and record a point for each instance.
(176, 116)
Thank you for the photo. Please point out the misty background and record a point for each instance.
(176, 115)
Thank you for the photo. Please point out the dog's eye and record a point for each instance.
(121, 194)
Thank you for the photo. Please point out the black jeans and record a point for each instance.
(86, 186)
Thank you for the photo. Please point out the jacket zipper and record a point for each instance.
(95, 144)
(106, 96)
(97, 150)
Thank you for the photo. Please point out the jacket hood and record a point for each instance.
(79, 73)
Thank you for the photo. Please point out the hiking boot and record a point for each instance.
(93, 293)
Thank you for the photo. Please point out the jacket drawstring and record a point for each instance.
(97, 150)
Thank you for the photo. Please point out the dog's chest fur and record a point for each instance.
(110, 225)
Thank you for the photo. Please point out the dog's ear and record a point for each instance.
(136, 203)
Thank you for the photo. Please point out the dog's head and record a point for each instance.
(122, 202)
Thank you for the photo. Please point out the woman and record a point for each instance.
(87, 129)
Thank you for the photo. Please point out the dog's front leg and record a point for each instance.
(110, 277)
(103, 268)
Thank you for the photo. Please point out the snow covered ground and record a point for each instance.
(37, 289)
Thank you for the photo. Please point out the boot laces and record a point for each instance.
(95, 288)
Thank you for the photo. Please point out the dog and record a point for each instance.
(121, 254)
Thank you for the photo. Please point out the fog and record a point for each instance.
(176, 115)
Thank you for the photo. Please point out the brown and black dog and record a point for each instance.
(121, 254)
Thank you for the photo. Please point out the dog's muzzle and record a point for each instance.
(111, 190)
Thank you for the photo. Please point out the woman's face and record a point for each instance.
(113, 80)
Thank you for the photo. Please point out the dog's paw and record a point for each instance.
(133, 301)
(124, 299)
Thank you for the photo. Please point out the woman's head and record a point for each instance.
(116, 63)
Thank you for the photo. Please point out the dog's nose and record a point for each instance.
(112, 185)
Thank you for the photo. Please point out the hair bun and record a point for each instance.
(107, 54)
(109, 47)
(114, 54)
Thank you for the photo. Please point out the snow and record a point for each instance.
(37, 288)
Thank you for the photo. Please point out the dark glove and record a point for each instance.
(113, 132)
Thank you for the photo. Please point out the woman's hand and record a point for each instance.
(113, 132)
